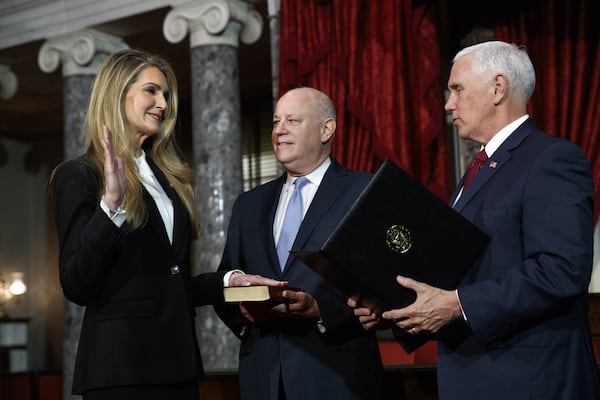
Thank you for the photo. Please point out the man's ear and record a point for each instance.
(327, 129)
(500, 88)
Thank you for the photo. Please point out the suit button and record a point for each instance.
(175, 269)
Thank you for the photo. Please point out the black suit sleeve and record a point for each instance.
(87, 237)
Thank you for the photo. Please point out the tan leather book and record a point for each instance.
(236, 294)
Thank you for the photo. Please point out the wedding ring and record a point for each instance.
(413, 331)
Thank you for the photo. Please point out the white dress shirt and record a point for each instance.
(308, 194)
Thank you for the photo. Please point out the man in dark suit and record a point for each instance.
(315, 349)
(517, 326)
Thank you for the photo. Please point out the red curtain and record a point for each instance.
(562, 41)
(381, 67)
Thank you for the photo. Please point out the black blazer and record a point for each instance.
(344, 362)
(137, 288)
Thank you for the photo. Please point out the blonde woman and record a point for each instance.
(125, 218)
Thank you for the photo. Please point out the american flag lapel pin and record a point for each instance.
(493, 164)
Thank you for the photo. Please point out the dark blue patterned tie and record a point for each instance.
(291, 222)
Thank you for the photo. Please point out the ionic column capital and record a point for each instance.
(213, 22)
(81, 52)
(8, 82)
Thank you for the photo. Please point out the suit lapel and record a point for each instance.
(332, 185)
(329, 190)
(499, 160)
(155, 221)
(271, 195)
(179, 210)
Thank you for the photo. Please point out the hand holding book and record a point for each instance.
(259, 303)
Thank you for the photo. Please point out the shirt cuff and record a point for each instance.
(461, 307)
(321, 326)
(228, 275)
(117, 216)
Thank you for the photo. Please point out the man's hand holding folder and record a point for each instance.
(397, 227)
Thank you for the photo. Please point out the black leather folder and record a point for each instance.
(396, 227)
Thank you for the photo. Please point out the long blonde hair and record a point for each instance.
(107, 107)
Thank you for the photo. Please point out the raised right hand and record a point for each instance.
(114, 176)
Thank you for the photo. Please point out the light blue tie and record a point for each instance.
(291, 222)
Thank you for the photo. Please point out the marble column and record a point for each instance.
(81, 54)
(215, 28)
(274, 6)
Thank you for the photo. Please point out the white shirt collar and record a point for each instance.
(503, 134)
(316, 176)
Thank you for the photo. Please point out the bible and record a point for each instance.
(236, 294)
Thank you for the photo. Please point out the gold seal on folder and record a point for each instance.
(398, 239)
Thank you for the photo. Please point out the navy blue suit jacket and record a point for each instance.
(344, 362)
(527, 334)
